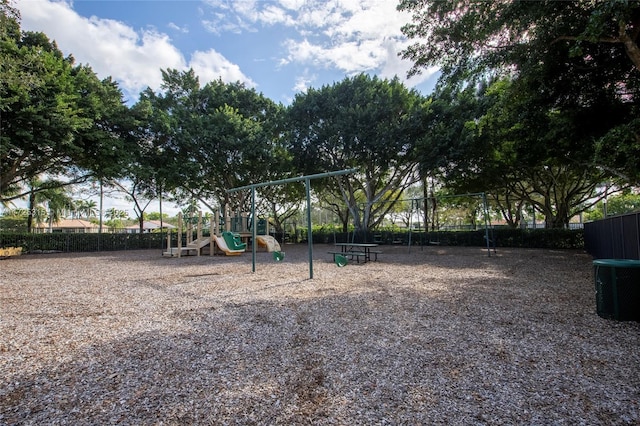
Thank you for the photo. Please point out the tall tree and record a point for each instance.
(519, 150)
(56, 117)
(361, 122)
(213, 138)
(575, 54)
(465, 36)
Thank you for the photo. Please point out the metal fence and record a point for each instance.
(616, 237)
(72, 242)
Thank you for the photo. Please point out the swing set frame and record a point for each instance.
(307, 182)
(485, 213)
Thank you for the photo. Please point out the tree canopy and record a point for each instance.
(361, 122)
(211, 138)
(466, 36)
(582, 57)
(56, 118)
(538, 104)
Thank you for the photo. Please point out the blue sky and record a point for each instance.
(278, 47)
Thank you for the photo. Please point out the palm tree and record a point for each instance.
(115, 217)
(115, 214)
(87, 208)
(39, 215)
(51, 196)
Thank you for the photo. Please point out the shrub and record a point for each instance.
(503, 237)
(68, 242)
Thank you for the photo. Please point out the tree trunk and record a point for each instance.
(344, 218)
(275, 220)
(559, 220)
(425, 205)
(630, 45)
(30, 206)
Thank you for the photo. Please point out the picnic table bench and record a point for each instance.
(357, 251)
(352, 255)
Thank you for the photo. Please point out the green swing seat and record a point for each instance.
(340, 260)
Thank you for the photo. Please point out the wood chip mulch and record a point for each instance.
(433, 335)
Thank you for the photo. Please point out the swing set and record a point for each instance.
(433, 237)
(307, 182)
(431, 205)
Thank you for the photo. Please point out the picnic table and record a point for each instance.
(357, 251)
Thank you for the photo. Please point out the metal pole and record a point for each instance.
(100, 226)
(307, 185)
(486, 225)
(410, 223)
(254, 242)
(295, 179)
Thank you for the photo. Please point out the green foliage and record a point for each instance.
(537, 238)
(469, 37)
(574, 65)
(16, 221)
(78, 243)
(616, 205)
(623, 203)
(156, 216)
(538, 104)
(504, 139)
(210, 139)
(503, 237)
(56, 118)
(451, 114)
(361, 122)
(46, 202)
(85, 208)
(541, 155)
(619, 150)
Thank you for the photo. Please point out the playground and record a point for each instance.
(444, 335)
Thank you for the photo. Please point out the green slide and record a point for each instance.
(233, 241)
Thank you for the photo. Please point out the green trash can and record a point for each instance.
(617, 284)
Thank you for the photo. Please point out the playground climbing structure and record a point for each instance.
(228, 235)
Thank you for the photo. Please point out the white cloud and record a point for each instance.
(339, 36)
(396, 66)
(352, 36)
(111, 48)
(218, 24)
(369, 20)
(302, 51)
(320, 14)
(273, 15)
(292, 4)
(178, 28)
(236, 16)
(211, 65)
(303, 82)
